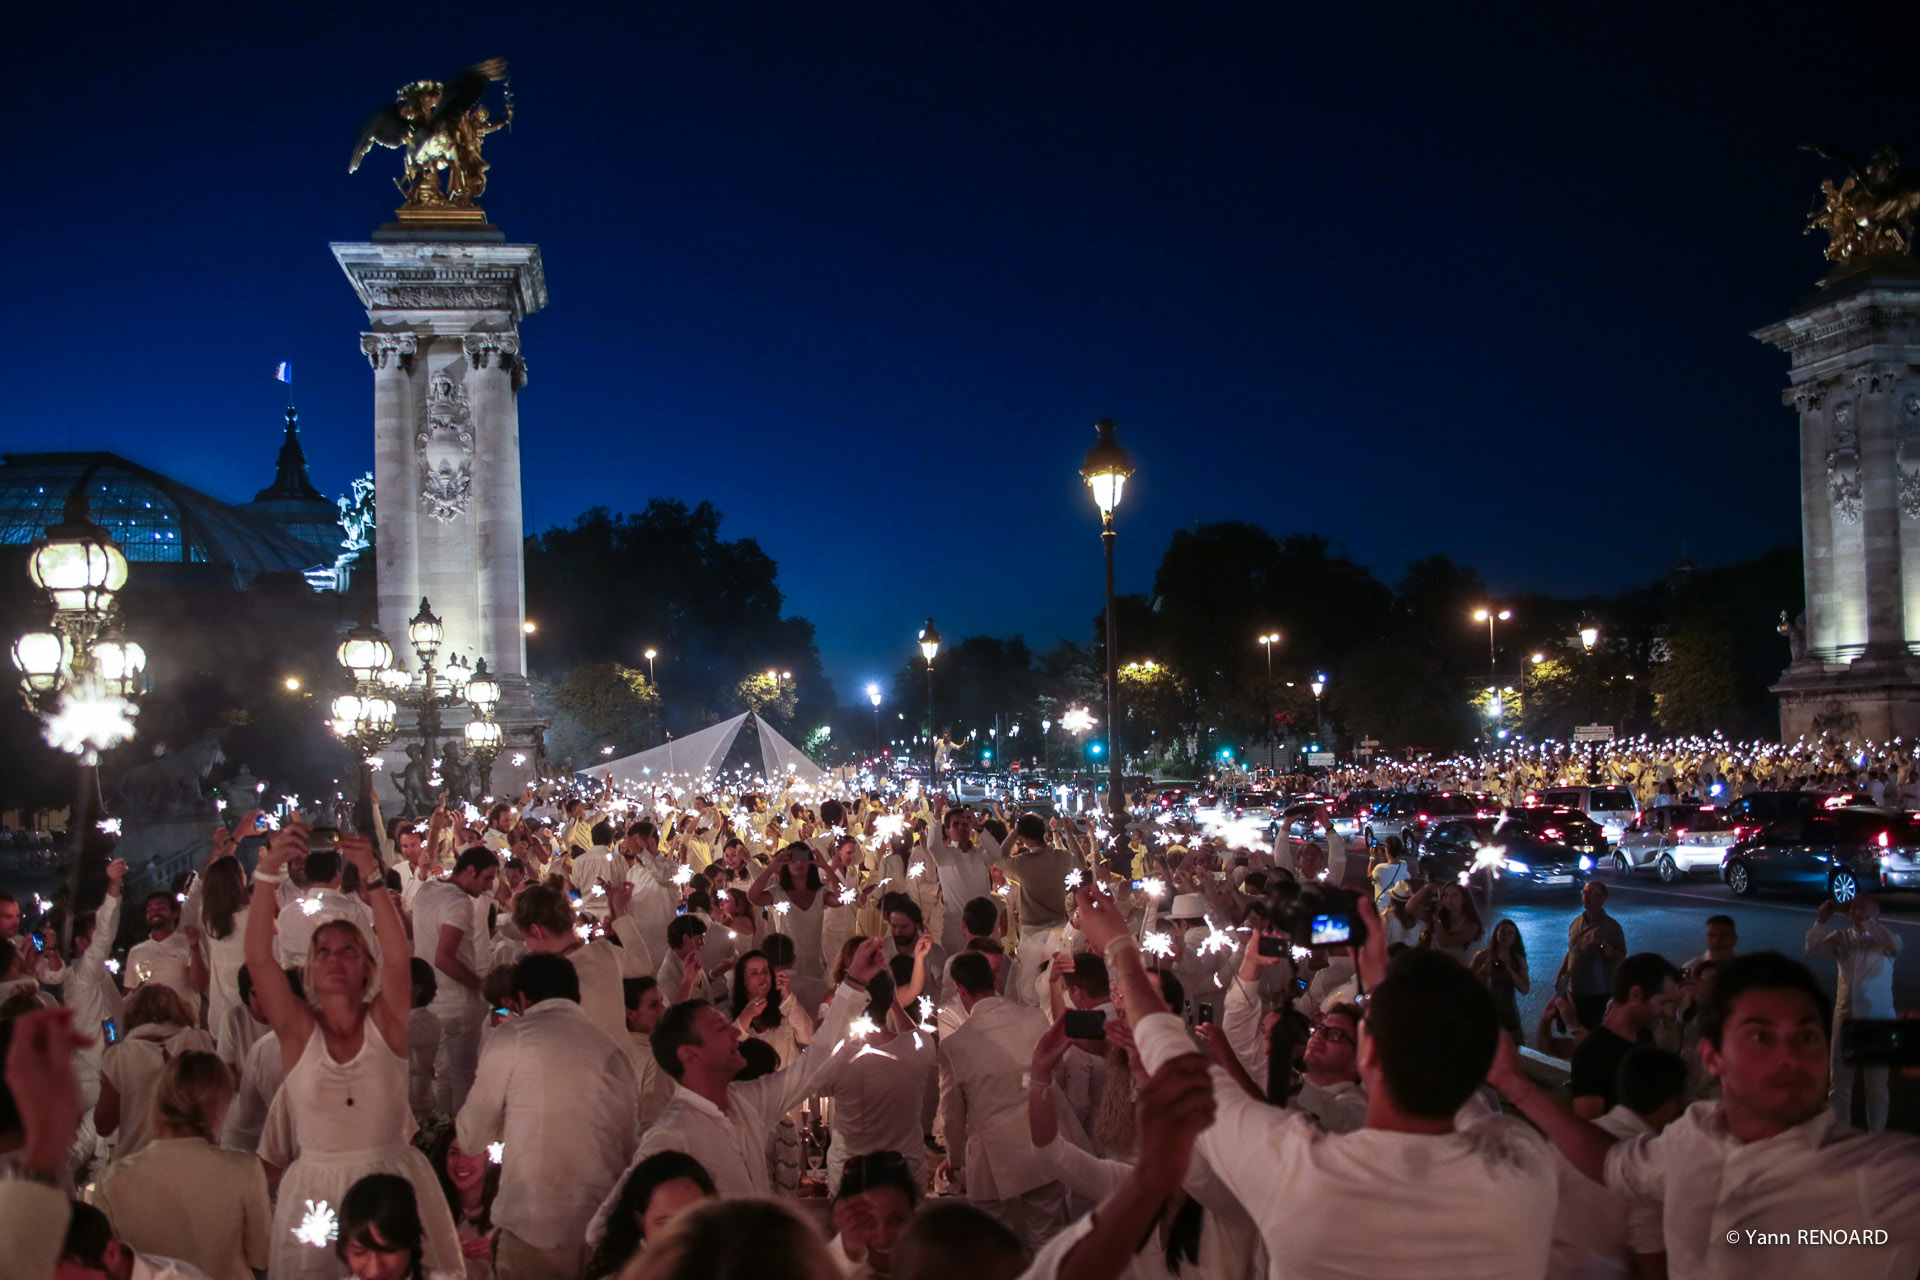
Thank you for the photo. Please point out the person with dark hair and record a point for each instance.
(599, 871)
(88, 986)
(322, 900)
(812, 993)
(1429, 1033)
(764, 1008)
(659, 1189)
(1038, 873)
(961, 857)
(558, 1092)
(795, 888)
(167, 954)
(91, 1251)
(446, 934)
(645, 1005)
(380, 1235)
(983, 1069)
(262, 1072)
(243, 1024)
(681, 975)
(872, 1205)
(1768, 1156)
(905, 927)
(217, 903)
(1646, 993)
(720, 1120)
(546, 920)
(1595, 945)
(423, 1037)
(953, 1238)
(471, 1182)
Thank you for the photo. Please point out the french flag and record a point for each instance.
(283, 372)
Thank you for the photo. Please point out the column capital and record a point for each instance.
(1878, 376)
(1809, 396)
(384, 349)
(498, 351)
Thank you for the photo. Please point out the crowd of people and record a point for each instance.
(600, 1031)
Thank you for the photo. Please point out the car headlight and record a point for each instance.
(1515, 866)
(1586, 864)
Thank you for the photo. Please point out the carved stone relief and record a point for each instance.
(1907, 458)
(446, 449)
(1843, 464)
(450, 297)
(383, 349)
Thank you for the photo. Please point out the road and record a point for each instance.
(1672, 921)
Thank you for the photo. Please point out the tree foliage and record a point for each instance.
(596, 706)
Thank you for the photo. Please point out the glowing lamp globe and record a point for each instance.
(119, 661)
(1588, 635)
(458, 673)
(40, 655)
(365, 652)
(929, 641)
(1106, 469)
(483, 690)
(77, 563)
(426, 632)
(395, 679)
(873, 694)
(483, 735)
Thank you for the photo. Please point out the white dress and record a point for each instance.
(225, 958)
(803, 926)
(351, 1119)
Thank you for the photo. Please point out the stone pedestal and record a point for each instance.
(1855, 381)
(444, 306)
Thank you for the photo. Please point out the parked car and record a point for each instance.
(1612, 807)
(1674, 841)
(1831, 853)
(1753, 813)
(1569, 827)
(1256, 806)
(1407, 814)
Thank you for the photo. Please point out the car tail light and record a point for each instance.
(1678, 832)
(1553, 833)
(1422, 818)
(1886, 838)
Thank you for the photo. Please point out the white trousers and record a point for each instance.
(461, 1020)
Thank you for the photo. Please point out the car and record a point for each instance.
(1612, 807)
(1674, 841)
(1526, 862)
(1255, 806)
(1754, 812)
(1832, 853)
(1569, 827)
(1408, 813)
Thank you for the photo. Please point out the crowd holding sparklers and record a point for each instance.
(729, 1024)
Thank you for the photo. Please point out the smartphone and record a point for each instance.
(1086, 1024)
(260, 823)
(39, 943)
(501, 1011)
(1203, 1014)
(111, 1030)
(1880, 1042)
(1272, 944)
(1138, 883)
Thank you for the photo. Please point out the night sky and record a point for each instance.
(865, 275)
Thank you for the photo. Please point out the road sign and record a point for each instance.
(1369, 742)
(1315, 758)
(1364, 751)
(1593, 733)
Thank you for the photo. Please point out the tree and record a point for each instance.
(1695, 690)
(599, 705)
(1399, 695)
(765, 694)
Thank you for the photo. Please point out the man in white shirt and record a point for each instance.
(597, 871)
(546, 920)
(724, 1123)
(166, 957)
(961, 856)
(559, 1093)
(93, 1252)
(1864, 949)
(655, 895)
(983, 1106)
(682, 974)
(445, 932)
(1430, 1030)
(1767, 1161)
(499, 824)
(297, 920)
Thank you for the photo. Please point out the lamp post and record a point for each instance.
(1267, 642)
(1589, 636)
(929, 649)
(873, 696)
(1318, 685)
(650, 655)
(1489, 616)
(81, 675)
(1046, 745)
(1106, 469)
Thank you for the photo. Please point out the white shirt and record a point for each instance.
(89, 989)
(260, 1078)
(1302, 1186)
(298, 919)
(164, 962)
(595, 873)
(877, 1093)
(1865, 985)
(983, 1099)
(732, 1144)
(440, 903)
(963, 877)
(148, 1266)
(560, 1093)
(1596, 1231)
(1817, 1175)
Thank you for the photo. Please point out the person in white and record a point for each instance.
(546, 920)
(559, 1093)
(1767, 1160)
(90, 989)
(645, 1006)
(598, 870)
(167, 954)
(321, 897)
(724, 1123)
(651, 873)
(983, 1106)
(344, 1049)
(114, 1259)
(445, 936)
(1596, 1233)
(961, 854)
(1864, 949)
(1430, 1032)
(878, 1088)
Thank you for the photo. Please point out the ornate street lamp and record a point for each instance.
(930, 649)
(1267, 641)
(80, 675)
(1105, 470)
(873, 696)
(1318, 685)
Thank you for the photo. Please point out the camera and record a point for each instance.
(1273, 946)
(1323, 916)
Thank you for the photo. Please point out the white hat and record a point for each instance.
(1188, 906)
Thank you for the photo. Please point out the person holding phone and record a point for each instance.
(1863, 950)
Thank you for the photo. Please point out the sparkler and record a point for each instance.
(1157, 944)
(847, 897)
(113, 966)
(87, 724)
(320, 1227)
(782, 908)
(915, 871)
(1153, 887)
(495, 1151)
(683, 875)
(1074, 878)
(862, 1027)
(109, 825)
(310, 906)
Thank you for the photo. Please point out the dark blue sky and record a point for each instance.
(865, 274)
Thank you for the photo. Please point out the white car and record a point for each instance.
(1674, 841)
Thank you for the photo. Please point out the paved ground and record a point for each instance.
(1671, 921)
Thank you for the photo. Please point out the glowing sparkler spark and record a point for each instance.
(320, 1227)
(862, 1027)
(519, 758)
(375, 763)
(915, 871)
(1301, 954)
(109, 825)
(1004, 890)
(925, 1007)
(1157, 944)
(847, 897)
(584, 932)
(889, 825)
(1074, 878)
(112, 965)
(496, 1150)
(310, 906)
(1216, 940)
(782, 908)
(1153, 887)
(683, 875)
(87, 723)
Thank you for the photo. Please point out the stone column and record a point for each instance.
(1816, 519)
(1880, 511)
(497, 374)
(396, 523)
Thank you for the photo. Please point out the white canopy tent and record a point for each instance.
(688, 763)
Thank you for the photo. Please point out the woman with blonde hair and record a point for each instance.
(181, 1196)
(344, 1049)
(737, 1240)
(157, 1026)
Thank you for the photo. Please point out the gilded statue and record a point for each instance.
(440, 127)
(1871, 210)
